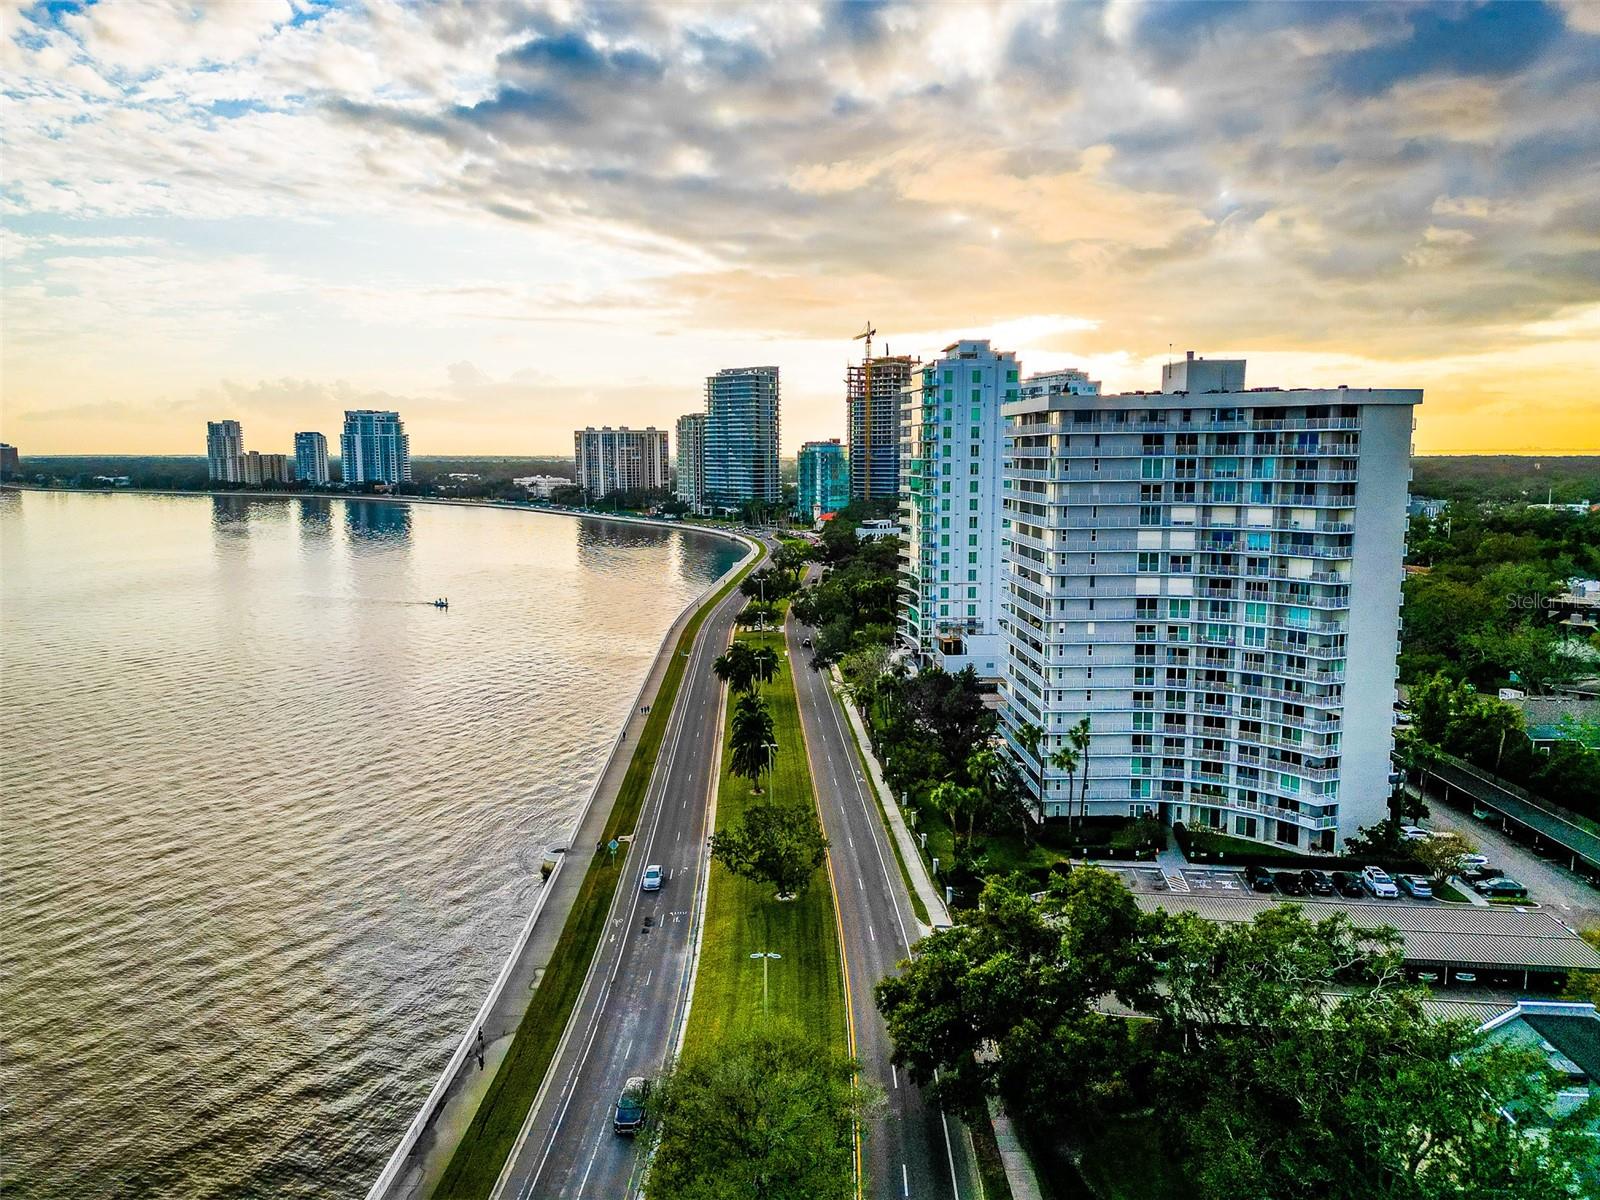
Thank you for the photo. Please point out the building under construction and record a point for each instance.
(873, 419)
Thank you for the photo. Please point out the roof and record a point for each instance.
(1577, 1035)
(1430, 933)
(1568, 830)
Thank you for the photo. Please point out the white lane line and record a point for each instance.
(590, 1167)
(894, 1076)
(872, 933)
(905, 1181)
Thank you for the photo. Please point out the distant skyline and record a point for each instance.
(511, 221)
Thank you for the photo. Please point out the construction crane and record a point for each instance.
(866, 411)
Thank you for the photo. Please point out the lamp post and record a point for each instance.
(771, 749)
(766, 956)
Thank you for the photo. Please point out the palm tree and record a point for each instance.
(736, 667)
(751, 736)
(1029, 736)
(1078, 738)
(1066, 759)
(764, 664)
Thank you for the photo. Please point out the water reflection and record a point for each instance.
(378, 522)
(316, 518)
(230, 515)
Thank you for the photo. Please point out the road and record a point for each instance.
(627, 1016)
(910, 1149)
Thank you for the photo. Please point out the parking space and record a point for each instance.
(1546, 879)
(1231, 881)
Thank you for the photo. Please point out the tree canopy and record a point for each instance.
(768, 1112)
(780, 844)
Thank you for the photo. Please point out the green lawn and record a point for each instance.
(806, 985)
(1444, 891)
(483, 1149)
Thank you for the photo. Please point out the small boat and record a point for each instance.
(441, 602)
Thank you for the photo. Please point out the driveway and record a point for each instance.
(1555, 887)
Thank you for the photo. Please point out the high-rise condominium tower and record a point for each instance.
(374, 447)
(224, 452)
(311, 457)
(1212, 577)
(620, 460)
(691, 459)
(873, 391)
(823, 478)
(952, 430)
(741, 445)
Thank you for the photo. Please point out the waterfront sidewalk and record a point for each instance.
(437, 1141)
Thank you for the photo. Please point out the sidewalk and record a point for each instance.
(910, 853)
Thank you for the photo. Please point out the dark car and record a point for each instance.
(1501, 886)
(1476, 875)
(1289, 883)
(1259, 878)
(1317, 882)
(629, 1117)
(1348, 885)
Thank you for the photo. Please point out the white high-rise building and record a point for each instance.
(951, 449)
(691, 460)
(1212, 577)
(620, 460)
(741, 444)
(225, 451)
(374, 447)
(311, 457)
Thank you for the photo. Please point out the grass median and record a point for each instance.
(806, 985)
(482, 1152)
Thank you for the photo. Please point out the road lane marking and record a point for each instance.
(905, 1181)
(894, 1075)
(590, 1167)
(872, 933)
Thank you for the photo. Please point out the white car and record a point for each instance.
(1414, 833)
(1376, 880)
(651, 880)
(1469, 861)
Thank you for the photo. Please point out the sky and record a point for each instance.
(511, 220)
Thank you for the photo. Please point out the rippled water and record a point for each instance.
(271, 821)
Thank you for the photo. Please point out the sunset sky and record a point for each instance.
(508, 220)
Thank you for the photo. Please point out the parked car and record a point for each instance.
(1414, 833)
(1348, 885)
(1501, 886)
(1289, 883)
(1376, 880)
(1468, 861)
(1418, 886)
(629, 1116)
(1316, 882)
(1259, 878)
(650, 881)
(1476, 875)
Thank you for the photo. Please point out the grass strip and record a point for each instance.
(917, 906)
(482, 1152)
(806, 985)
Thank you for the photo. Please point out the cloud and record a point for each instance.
(1297, 178)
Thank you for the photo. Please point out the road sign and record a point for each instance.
(613, 845)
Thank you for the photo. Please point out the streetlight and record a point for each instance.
(771, 748)
(765, 956)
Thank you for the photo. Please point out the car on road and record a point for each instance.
(1417, 886)
(1500, 885)
(1259, 879)
(1468, 861)
(1348, 885)
(1376, 880)
(1414, 833)
(1289, 883)
(650, 881)
(629, 1116)
(1317, 882)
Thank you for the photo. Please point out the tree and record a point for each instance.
(764, 664)
(749, 753)
(999, 788)
(1441, 854)
(735, 667)
(1030, 737)
(956, 801)
(1006, 1000)
(768, 1112)
(1292, 1062)
(1065, 759)
(780, 844)
(1533, 656)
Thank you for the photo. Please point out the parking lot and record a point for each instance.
(1230, 881)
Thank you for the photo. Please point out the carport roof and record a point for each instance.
(1430, 933)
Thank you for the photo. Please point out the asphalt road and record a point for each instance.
(627, 1017)
(910, 1149)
